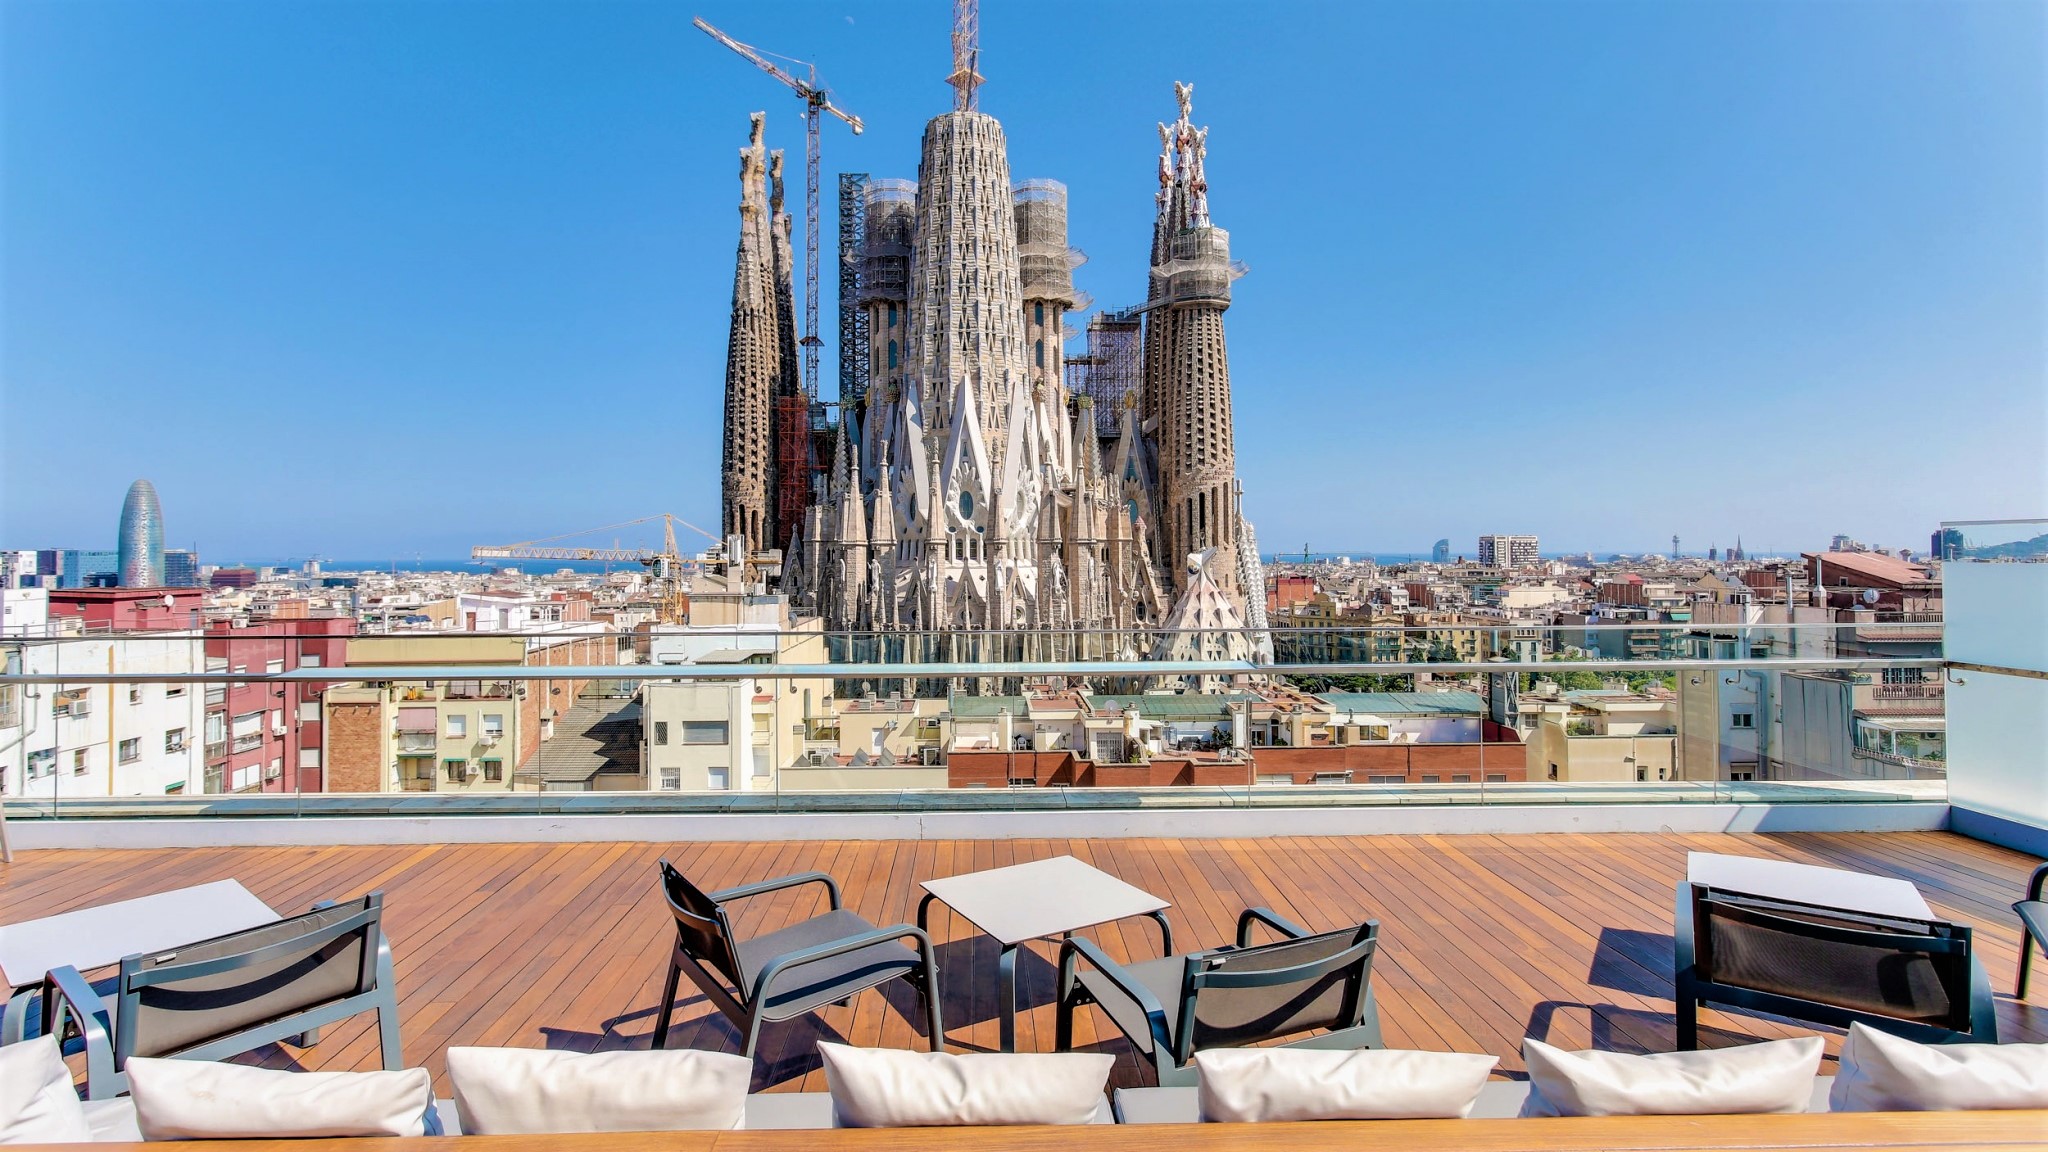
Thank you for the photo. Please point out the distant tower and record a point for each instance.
(1046, 265)
(884, 292)
(141, 562)
(752, 362)
(1675, 553)
(1441, 554)
(1189, 388)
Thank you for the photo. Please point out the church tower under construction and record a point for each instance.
(974, 485)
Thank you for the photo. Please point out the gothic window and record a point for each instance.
(892, 351)
(1038, 349)
(1038, 315)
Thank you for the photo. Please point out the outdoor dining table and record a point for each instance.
(1038, 900)
(1807, 884)
(99, 936)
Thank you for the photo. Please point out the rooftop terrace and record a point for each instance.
(1486, 938)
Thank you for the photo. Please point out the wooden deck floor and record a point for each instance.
(1486, 939)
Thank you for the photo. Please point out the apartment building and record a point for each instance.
(101, 739)
(732, 735)
(456, 735)
(266, 737)
(1501, 551)
(1600, 736)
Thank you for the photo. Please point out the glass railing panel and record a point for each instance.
(1801, 712)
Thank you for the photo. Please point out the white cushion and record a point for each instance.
(1885, 1073)
(113, 1121)
(202, 1100)
(1258, 1085)
(38, 1105)
(1771, 1077)
(888, 1088)
(533, 1091)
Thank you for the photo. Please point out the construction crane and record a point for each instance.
(794, 421)
(668, 566)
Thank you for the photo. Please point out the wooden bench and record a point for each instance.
(1815, 1132)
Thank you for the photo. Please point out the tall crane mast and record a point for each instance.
(817, 101)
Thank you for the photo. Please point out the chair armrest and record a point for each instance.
(1077, 948)
(787, 961)
(67, 995)
(1270, 919)
(2037, 882)
(777, 885)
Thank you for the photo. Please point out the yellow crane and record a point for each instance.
(668, 566)
(816, 100)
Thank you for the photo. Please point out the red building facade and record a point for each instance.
(265, 737)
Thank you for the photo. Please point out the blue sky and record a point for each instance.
(383, 279)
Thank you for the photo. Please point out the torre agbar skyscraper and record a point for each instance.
(970, 491)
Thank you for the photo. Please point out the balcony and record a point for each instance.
(477, 690)
(1926, 690)
(1487, 939)
(249, 742)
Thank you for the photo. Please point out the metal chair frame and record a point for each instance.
(2028, 937)
(746, 1003)
(1693, 989)
(1171, 1050)
(69, 1001)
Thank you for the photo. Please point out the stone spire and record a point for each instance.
(752, 363)
(1197, 441)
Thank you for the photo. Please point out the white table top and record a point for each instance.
(1808, 884)
(96, 937)
(1042, 898)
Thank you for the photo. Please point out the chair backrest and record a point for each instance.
(1233, 997)
(1914, 970)
(172, 1001)
(702, 927)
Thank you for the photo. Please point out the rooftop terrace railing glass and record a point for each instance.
(152, 724)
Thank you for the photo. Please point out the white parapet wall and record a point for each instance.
(1996, 617)
(1200, 823)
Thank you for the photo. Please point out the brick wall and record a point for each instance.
(355, 757)
(1411, 762)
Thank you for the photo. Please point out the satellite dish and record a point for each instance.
(1870, 595)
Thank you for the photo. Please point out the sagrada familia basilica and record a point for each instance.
(967, 489)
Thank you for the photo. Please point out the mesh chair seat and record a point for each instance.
(814, 985)
(174, 1016)
(1230, 996)
(1159, 977)
(1861, 978)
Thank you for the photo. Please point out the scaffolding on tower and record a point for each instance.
(853, 319)
(1112, 369)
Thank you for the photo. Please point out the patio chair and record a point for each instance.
(1912, 978)
(793, 970)
(1229, 997)
(232, 994)
(2033, 926)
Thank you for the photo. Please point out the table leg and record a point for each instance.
(1006, 998)
(14, 1026)
(1165, 933)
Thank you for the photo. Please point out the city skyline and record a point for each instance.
(1743, 255)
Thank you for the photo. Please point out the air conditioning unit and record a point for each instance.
(272, 773)
(491, 738)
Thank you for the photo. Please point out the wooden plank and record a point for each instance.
(1903, 1131)
(564, 944)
